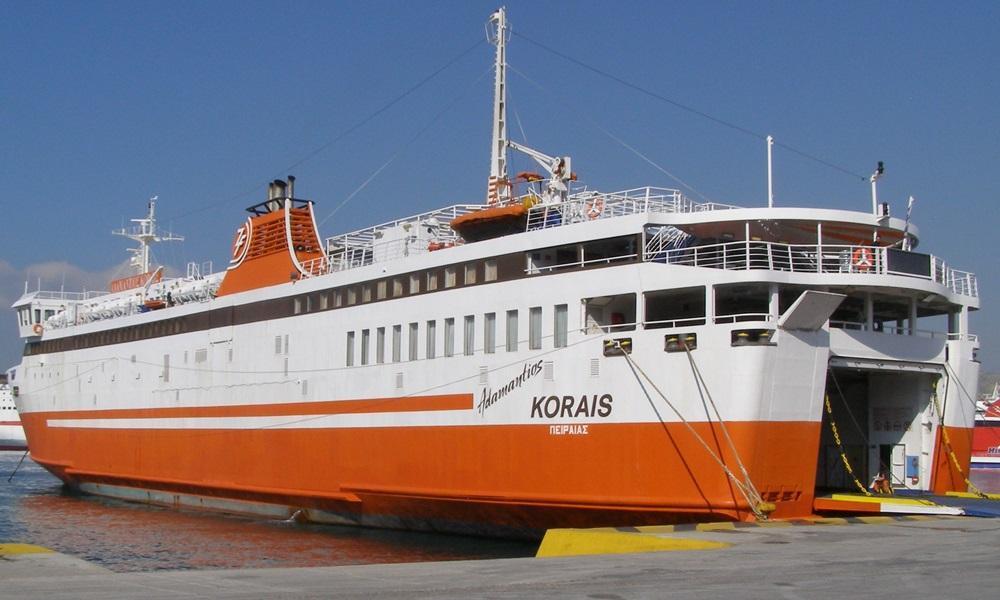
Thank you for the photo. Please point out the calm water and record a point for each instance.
(122, 536)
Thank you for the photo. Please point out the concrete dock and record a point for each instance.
(919, 558)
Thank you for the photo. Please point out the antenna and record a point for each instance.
(879, 171)
(770, 186)
(145, 234)
(498, 189)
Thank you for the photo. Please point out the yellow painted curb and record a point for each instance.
(883, 500)
(579, 542)
(971, 495)
(16, 548)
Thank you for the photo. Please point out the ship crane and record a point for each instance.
(558, 169)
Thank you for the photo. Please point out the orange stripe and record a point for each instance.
(326, 407)
(511, 475)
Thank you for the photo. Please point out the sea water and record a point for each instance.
(35, 508)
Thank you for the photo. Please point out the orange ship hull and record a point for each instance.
(510, 479)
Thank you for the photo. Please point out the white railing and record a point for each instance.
(591, 205)
(902, 330)
(802, 258)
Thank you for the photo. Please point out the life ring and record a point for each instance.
(37, 328)
(595, 206)
(862, 259)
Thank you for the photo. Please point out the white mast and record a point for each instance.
(498, 190)
(145, 234)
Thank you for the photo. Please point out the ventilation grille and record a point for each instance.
(595, 367)
(548, 370)
(484, 375)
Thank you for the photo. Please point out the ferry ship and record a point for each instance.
(986, 435)
(11, 432)
(553, 356)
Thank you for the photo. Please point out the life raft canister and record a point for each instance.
(862, 259)
(37, 328)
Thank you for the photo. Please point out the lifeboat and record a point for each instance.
(493, 221)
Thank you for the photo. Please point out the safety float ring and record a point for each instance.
(595, 206)
(37, 328)
(862, 259)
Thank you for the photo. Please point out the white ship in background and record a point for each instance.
(557, 356)
(11, 432)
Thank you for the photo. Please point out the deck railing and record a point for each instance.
(591, 206)
(803, 258)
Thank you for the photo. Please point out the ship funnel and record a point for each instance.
(291, 186)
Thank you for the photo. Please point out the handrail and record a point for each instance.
(807, 258)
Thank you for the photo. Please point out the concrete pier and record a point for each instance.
(925, 558)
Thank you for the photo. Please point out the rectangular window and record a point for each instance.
(380, 345)
(365, 344)
(352, 296)
(366, 293)
(470, 274)
(397, 342)
(449, 277)
(324, 301)
(431, 338)
(490, 333)
(469, 345)
(350, 348)
(414, 284)
(380, 292)
(338, 299)
(432, 281)
(511, 331)
(490, 270)
(561, 326)
(166, 368)
(449, 337)
(535, 328)
(414, 340)
(397, 287)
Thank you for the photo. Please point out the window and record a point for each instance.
(380, 291)
(365, 344)
(490, 270)
(366, 293)
(166, 368)
(431, 335)
(432, 281)
(380, 345)
(469, 345)
(352, 296)
(535, 328)
(350, 348)
(338, 299)
(324, 301)
(449, 337)
(560, 326)
(511, 331)
(414, 284)
(490, 333)
(397, 342)
(449, 277)
(397, 287)
(414, 339)
(470, 274)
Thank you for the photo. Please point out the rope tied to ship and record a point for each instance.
(840, 446)
(947, 442)
(758, 506)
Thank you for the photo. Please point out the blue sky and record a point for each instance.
(104, 104)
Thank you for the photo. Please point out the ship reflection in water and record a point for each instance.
(123, 536)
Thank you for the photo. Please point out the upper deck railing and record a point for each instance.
(429, 231)
(814, 258)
